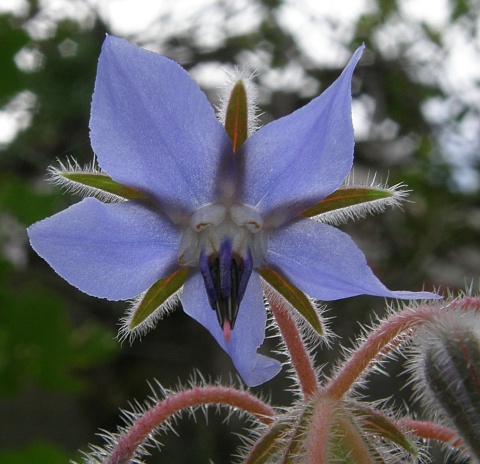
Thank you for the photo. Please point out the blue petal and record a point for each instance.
(113, 251)
(248, 334)
(294, 162)
(326, 264)
(153, 129)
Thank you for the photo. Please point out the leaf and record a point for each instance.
(236, 118)
(295, 297)
(268, 445)
(379, 424)
(156, 295)
(343, 198)
(102, 182)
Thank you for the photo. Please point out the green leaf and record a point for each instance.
(349, 445)
(104, 183)
(379, 424)
(295, 297)
(268, 445)
(297, 437)
(236, 118)
(156, 295)
(343, 198)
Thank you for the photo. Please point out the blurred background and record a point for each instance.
(63, 375)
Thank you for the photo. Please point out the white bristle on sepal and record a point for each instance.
(165, 309)
(398, 194)
(252, 97)
(57, 176)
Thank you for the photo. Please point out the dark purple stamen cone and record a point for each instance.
(226, 277)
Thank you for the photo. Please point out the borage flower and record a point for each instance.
(208, 208)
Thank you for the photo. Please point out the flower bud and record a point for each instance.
(449, 374)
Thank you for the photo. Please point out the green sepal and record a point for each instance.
(343, 198)
(295, 297)
(268, 445)
(297, 437)
(379, 424)
(349, 446)
(236, 116)
(156, 295)
(104, 183)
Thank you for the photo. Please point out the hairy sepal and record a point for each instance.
(348, 444)
(90, 181)
(353, 202)
(379, 424)
(236, 118)
(295, 297)
(269, 444)
(152, 305)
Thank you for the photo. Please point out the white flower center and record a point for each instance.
(211, 225)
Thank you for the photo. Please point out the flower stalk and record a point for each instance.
(377, 345)
(127, 445)
(299, 357)
(429, 430)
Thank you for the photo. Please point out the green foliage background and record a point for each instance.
(63, 375)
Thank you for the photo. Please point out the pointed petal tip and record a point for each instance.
(406, 295)
(309, 150)
(352, 62)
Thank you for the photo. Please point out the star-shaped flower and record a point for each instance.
(207, 210)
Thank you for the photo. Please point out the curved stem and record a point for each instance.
(378, 344)
(301, 360)
(128, 443)
(431, 431)
(466, 303)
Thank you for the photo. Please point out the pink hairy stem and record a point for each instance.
(127, 444)
(300, 358)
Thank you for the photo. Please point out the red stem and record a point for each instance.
(127, 445)
(378, 343)
(299, 356)
(319, 431)
(431, 431)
